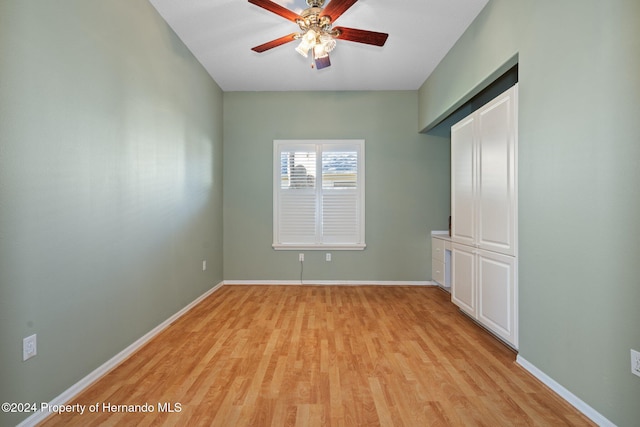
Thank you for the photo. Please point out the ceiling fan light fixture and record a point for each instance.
(310, 37)
(328, 42)
(308, 42)
(303, 48)
(319, 51)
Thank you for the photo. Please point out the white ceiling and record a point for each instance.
(221, 33)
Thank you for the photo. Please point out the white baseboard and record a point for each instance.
(571, 398)
(311, 282)
(110, 364)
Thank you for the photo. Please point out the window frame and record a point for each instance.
(320, 146)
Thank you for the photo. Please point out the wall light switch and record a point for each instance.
(29, 347)
(635, 362)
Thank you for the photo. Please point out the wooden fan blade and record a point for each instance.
(362, 36)
(274, 43)
(277, 9)
(335, 8)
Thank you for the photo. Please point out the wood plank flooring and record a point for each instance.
(322, 356)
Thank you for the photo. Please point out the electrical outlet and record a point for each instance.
(204, 265)
(635, 362)
(301, 257)
(29, 347)
(327, 256)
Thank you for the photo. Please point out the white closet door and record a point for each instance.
(496, 188)
(497, 294)
(463, 279)
(463, 182)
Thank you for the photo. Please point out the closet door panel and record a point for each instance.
(496, 200)
(463, 280)
(484, 215)
(497, 298)
(463, 182)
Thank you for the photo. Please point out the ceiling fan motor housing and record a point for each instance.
(311, 19)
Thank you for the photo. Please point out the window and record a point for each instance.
(318, 194)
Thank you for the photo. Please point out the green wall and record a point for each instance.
(407, 183)
(579, 208)
(110, 186)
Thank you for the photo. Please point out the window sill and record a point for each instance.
(324, 247)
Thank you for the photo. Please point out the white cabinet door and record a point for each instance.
(463, 169)
(437, 249)
(497, 294)
(463, 278)
(496, 185)
(483, 176)
(437, 261)
(484, 215)
(437, 272)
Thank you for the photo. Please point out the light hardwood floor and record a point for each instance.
(323, 356)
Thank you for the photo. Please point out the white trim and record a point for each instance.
(318, 247)
(571, 398)
(112, 363)
(311, 282)
(317, 240)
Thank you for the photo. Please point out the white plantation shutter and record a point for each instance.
(340, 218)
(318, 194)
(297, 217)
(297, 214)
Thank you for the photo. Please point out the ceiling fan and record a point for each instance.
(317, 34)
